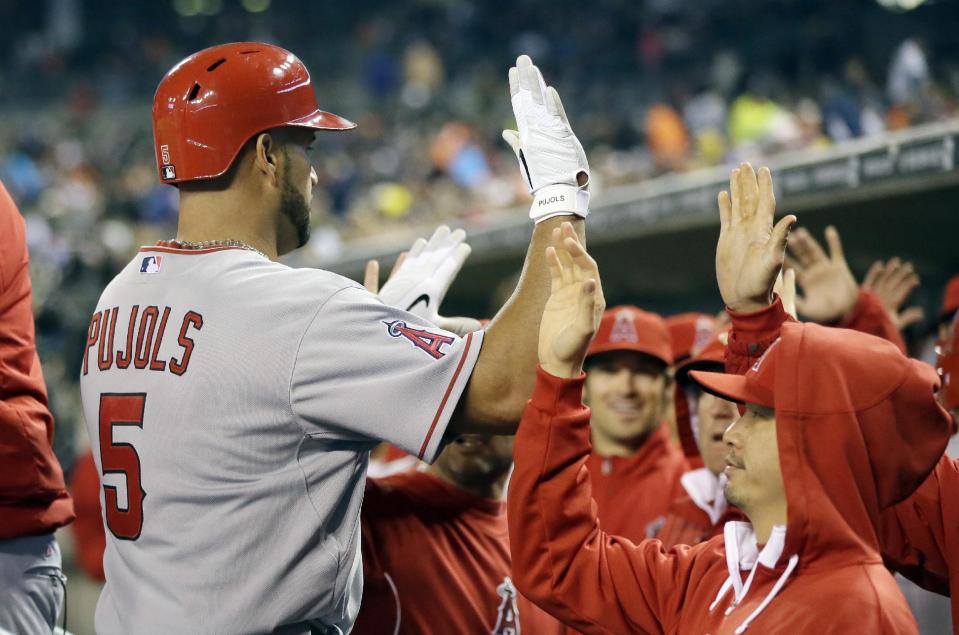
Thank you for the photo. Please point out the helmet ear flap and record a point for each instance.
(211, 103)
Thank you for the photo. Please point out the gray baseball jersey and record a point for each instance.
(231, 403)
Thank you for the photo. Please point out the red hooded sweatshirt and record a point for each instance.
(33, 496)
(920, 536)
(846, 404)
(698, 510)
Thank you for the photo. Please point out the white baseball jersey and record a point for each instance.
(231, 403)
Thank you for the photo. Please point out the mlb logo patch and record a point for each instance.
(169, 172)
(151, 264)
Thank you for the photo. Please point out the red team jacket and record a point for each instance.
(633, 493)
(436, 560)
(921, 535)
(33, 497)
(840, 445)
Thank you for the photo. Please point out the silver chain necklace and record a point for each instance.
(230, 242)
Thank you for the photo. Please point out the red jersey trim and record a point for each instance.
(449, 389)
(187, 252)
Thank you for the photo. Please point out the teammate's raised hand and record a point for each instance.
(829, 290)
(551, 158)
(893, 282)
(574, 308)
(749, 254)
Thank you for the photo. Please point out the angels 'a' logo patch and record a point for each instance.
(507, 618)
(427, 341)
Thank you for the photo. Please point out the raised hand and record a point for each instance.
(574, 308)
(893, 282)
(749, 253)
(829, 290)
(551, 158)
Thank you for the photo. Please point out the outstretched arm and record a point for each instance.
(561, 558)
(553, 164)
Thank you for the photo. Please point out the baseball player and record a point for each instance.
(809, 463)
(633, 464)
(33, 497)
(232, 401)
(453, 516)
(699, 510)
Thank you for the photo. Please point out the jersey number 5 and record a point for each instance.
(124, 409)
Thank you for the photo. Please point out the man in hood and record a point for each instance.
(634, 464)
(812, 461)
(920, 536)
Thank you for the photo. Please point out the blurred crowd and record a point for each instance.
(662, 87)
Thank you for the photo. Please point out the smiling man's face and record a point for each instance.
(627, 392)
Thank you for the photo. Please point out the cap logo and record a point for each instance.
(704, 333)
(624, 328)
(759, 362)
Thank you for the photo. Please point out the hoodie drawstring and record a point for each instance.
(790, 567)
(728, 584)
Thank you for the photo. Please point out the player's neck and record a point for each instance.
(491, 489)
(606, 445)
(226, 215)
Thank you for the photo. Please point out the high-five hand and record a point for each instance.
(575, 306)
(551, 158)
(829, 290)
(749, 254)
(893, 282)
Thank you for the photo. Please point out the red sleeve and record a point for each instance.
(913, 535)
(751, 335)
(562, 559)
(870, 316)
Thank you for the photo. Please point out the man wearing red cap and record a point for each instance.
(33, 497)
(634, 464)
(815, 456)
(699, 509)
(231, 401)
(689, 333)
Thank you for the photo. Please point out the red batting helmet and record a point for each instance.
(214, 101)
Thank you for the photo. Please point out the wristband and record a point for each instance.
(559, 200)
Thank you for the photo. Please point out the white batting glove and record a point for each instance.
(551, 158)
(420, 283)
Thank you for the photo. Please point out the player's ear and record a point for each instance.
(266, 156)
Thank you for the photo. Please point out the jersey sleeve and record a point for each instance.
(367, 371)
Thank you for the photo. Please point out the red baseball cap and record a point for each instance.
(755, 387)
(689, 332)
(950, 303)
(627, 328)
(712, 357)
